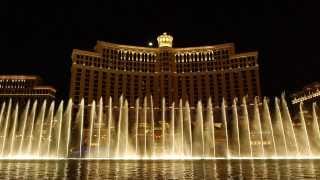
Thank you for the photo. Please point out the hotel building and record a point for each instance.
(187, 73)
(21, 88)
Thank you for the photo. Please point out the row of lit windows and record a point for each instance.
(128, 55)
(138, 87)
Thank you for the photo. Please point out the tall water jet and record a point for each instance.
(268, 125)
(189, 128)
(181, 128)
(288, 128)
(23, 129)
(145, 125)
(235, 126)
(41, 119)
(188, 135)
(1, 117)
(280, 130)
(137, 125)
(32, 117)
(80, 122)
(109, 127)
(3, 106)
(13, 133)
(100, 116)
(59, 117)
(257, 126)
(305, 133)
(119, 127)
(172, 126)
(210, 120)
(152, 127)
(92, 116)
(315, 129)
(247, 124)
(50, 119)
(198, 141)
(224, 119)
(163, 126)
(68, 115)
(5, 130)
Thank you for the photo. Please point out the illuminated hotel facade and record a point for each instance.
(190, 74)
(21, 88)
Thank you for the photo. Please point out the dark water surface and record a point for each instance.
(206, 169)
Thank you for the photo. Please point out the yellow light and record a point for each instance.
(150, 44)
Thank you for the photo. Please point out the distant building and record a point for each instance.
(21, 88)
(190, 73)
(308, 95)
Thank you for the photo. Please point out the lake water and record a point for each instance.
(148, 169)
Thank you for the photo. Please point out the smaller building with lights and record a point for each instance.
(308, 95)
(21, 88)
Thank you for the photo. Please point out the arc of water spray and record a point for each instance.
(25, 117)
(6, 128)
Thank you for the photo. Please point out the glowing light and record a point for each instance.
(150, 44)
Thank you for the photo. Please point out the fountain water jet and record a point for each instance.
(191, 132)
(305, 132)
(25, 117)
(224, 119)
(235, 126)
(13, 133)
(5, 131)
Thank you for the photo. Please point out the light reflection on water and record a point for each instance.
(209, 169)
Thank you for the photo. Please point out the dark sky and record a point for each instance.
(41, 35)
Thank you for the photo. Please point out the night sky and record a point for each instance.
(41, 35)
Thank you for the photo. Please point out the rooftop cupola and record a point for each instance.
(165, 40)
